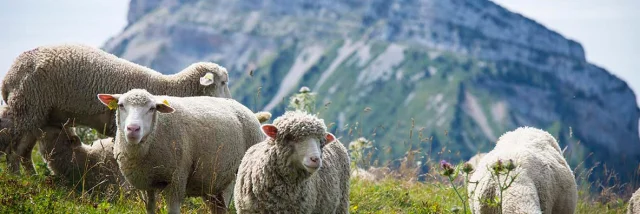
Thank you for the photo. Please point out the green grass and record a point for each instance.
(43, 194)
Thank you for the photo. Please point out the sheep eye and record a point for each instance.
(224, 82)
(120, 105)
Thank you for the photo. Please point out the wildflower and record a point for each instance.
(498, 166)
(467, 168)
(447, 168)
(304, 89)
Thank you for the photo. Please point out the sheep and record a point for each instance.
(634, 203)
(46, 85)
(476, 159)
(544, 182)
(85, 167)
(299, 168)
(182, 146)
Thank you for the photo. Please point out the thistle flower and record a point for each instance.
(467, 168)
(447, 168)
(498, 166)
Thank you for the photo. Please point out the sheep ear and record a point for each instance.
(270, 130)
(163, 107)
(106, 99)
(330, 137)
(207, 79)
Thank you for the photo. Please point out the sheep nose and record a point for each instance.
(133, 128)
(314, 159)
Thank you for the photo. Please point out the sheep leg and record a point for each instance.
(24, 151)
(13, 162)
(174, 195)
(151, 201)
(27, 113)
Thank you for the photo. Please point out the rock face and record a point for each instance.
(465, 71)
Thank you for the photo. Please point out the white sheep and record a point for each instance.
(634, 203)
(544, 181)
(192, 148)
(299, 168)
(84, 167)
(50, 84)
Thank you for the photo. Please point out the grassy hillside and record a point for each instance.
(44, 193)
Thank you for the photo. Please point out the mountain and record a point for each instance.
(445, 77)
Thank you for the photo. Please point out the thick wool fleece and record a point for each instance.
(634, 203)
(268, 183)
(84, 167)
(194, 151)
(544, 182)
(50, 84)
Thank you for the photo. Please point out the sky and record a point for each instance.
(609, 30)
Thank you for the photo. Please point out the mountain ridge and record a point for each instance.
(463, 71)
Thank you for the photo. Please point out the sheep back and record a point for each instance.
(544, 182)
(66, 78)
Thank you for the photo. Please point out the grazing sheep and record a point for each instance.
(475, 160)
(298, 169)
(544, 181)
(85, 167)
(46, 84)
(192, 148)
(634, 203)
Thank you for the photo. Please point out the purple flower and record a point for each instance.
(467, 168)
(447, 168)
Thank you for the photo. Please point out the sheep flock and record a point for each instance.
(183, 135)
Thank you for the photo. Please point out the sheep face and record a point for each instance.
(306, 152)
(215, 79)
(136, 112)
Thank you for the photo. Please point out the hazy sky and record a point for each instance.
(609, 30)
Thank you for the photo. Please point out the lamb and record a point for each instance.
(299, 168)
(191, 148)
(45, 85)
(544, 181)
(84, 167)
(634, 203)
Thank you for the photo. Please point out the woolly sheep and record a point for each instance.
(85, 167)
(634, 203)
(544, 182)
(299, 168)
(52, 83)
(191, 148)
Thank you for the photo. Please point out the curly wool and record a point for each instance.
(544, 182)
(297, 125)
(268, 183)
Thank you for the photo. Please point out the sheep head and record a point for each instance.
(303, 136)
(136, 112)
